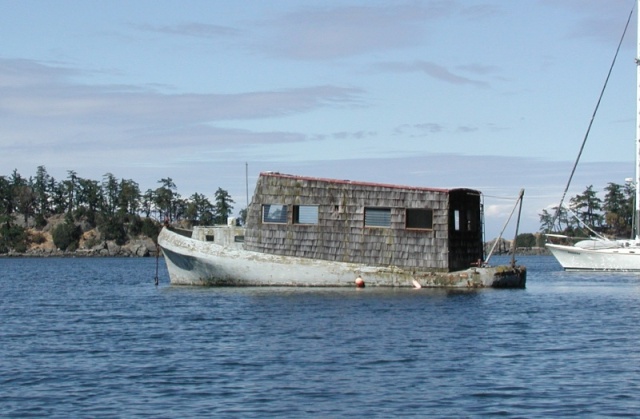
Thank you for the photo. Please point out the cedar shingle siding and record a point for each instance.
(340, 233)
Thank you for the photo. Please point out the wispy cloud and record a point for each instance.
(21, 73)
(31, 91)
(596, 20)
(431, 69)
(193, 29)
(48, 118)
(467, 128)
(419, 129)
(318, 33)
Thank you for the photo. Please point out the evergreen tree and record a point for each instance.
(66, 235)
(58, 196)
(526, 240)
(111, 191)
(70, 188)
(164, 198)
(25, 200)
(41, 191)
(242, 216)
(6, 200)
(546, 221)
(558, 220)
(615, 207)
(587, 207)
(129, 199)
(147, 203)
(199, 210)
(89, 199)
(223, 206)
(630, 206)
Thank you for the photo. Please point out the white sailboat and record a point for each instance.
(599, 253)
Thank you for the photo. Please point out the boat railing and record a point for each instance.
(582, 242)
(181, 231)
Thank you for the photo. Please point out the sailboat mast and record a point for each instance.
(637, 183)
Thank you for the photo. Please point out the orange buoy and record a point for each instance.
(359, 282)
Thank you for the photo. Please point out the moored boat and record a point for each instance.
(599, 253)
(304, 231)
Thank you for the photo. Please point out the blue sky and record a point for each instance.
(494, 95)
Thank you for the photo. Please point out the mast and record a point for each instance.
(637, 185)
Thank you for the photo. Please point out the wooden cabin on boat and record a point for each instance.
(415, 228)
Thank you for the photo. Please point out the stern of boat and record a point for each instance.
(509, 277)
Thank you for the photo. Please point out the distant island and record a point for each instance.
(40, 216)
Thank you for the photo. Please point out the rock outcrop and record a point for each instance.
(90, 244)
(140, 247)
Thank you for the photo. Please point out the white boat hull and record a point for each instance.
(613, 259)
(196, 262)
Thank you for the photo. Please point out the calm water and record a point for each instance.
(96, 338)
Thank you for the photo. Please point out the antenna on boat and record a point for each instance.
(636, 217)
(246, 181)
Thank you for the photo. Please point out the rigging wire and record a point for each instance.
(584, 141)
(584, 225)
(504, 227)
(506, 198)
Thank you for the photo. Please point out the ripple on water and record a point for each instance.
(87, 337)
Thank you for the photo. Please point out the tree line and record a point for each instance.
(116, 207)
(612, 216)
(120, 210)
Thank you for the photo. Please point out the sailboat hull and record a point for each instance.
(615, 259)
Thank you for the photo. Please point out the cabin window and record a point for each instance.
(419, 218)
(377, 217)
(456, 220)
(274, 213)
(305, 214)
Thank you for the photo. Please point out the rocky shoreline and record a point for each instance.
(143, 247)
(90, 243)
